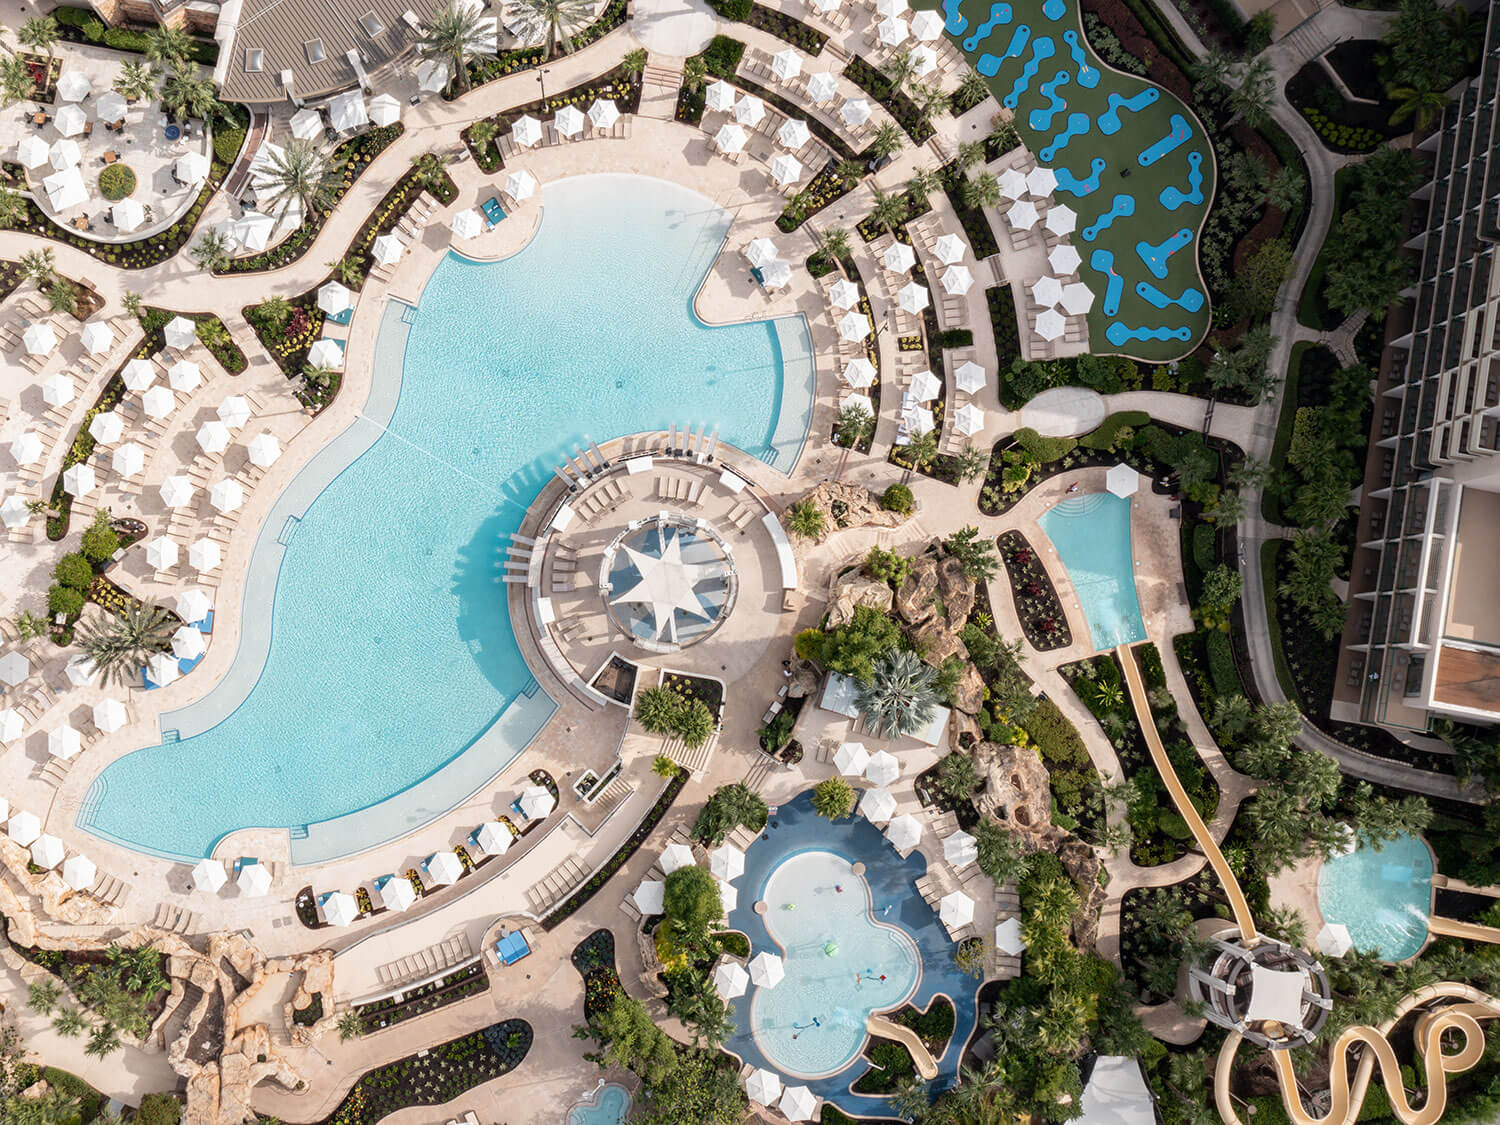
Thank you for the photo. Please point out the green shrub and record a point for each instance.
(116, 181)
(1056, 739)
(1108, 433)
(955, 338)
(898, 498)
(723, 55)
(100, 541)
(64, 600)
(1042, 448)
(737, 10)
(158, 1109)
(1221, 669)
(74, 571)
(227, 144)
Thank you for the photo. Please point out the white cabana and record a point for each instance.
(158, 402)
(750, 111)
(1062, 220)
(526, 131)
(968, 419)
(1122, 480)
(205, 555)
(520, 185)
(70, 120)
(1077, 298)
(347, 111)
(969, 378)
(32, 151)
(187, 643)
(334, 298)
(822, 87)
(339, 909)
(726, 862)
(786, 169)
(96, 337)
(1064, 260)
(720, 96)
(64, 154)
(767, 970)
(960, 849)
(12, 726)
(306, 124)
(843, 294)
(786, 65)
(854, 326)
(1050, 325)
(185, 376)
(569, 121)
(79, 872)
(1047, 292)
(384, 110)
(39, 339)
(650, 897)
(47, 852)
(109, 714)
(326, 353)
(882, 769)
(138, 374)
(64, 741)
(927, 25)
(226, 495)
(1334, 939)
(798, 1103)
(106, 427)
(855, 111)
(396, 893)
(26, 449)
(254, 879)
(957, 280)
(161, 553)
(1008, 939)
(893, 31)
(877, 805)
(676, 856)
(387, 249)
(443, 868)
(80, 671)
(763, 1086)
(949, 248)
(913, 298)
(761, 252)
(180, 333)
(192, 605)
(23, 828)
(492, 838)
(536, 802)
(73, 86)
(924, 387)
(904, 832)
(860, 373)
(177, 492)
(80, 480)
(191, 168)
(234, 411)
(899, 257)
(14, 668)
(14, 512)
(956, 909)
(467, 224)
(604, 113)
(263, 450)
(731, 980)
(1022, 216)
(213, 436)
(1040, 182)
(793, 133)
(209, 875)
(163, 669)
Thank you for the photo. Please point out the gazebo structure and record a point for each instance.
(1272, 993)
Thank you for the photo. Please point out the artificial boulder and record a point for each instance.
(1017, 792)
(938, 643)
(958, 591)
(854, 590)
(805, 679)
(968, 696)
(916, 601)
(847, 505)
(1083, 866)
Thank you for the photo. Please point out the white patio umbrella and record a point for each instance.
(384, 110)
(79, 872)
(339, 909)
(859, 402)
(726, 862)
(1050, 325)
(1012, 183)
(12, 726)
(1077, 298)
(193, 605)
(877, 805)
(729, 898)
(650, 897)
(798, 1103)
(854, 326)
(492, 838)
(213, 436)
(1022, 216)
(185, 375)
(536, 802)
(326, 353)
(1062, 220)
(786, 169)
(913, 298)
(1008, 939)
(1040, 182)
(191, 168)
(899, 257)
(70, 120)
(27, 448)
(14, 668)
(14, 513)
(80, 480)
(107, 427)
(1334, 939)
(180, 333)
(776, 274)
(927, 25)
(960, 849)
(467, 224)
(720, 96)
(957, 280)
(786, 65)
(32, 151)
(826, 6)
(882, 768)
(110, 106)
(138, 374)
(23, 828)
(234, 411)
(109, 715)
(73, 86)
(187, 643)
(66, 189)
(396, 892)
(604, 113)
(793, 133)
(750, 111)
(177, 492)
(893, 31)
(969, 378)
(209, 875)
(822, 87)
(569, 121)
(347, 111)
(39, 339)
(334, 298)
(956, 909)
(761, 252)
(843, 294)
(80, 671)
(47, 852)
(904, 832)
(387, 249)
(432, 76)
(96, 337)
(64, 741)
(526, 131)
(766, 969)
(1064, 260)
(891, 7)
(860, 373)
(855, 111)
(949, 248)
(158, 402)
(1122, 481)
(64, 154)
(1047, 291)
(263, 450)
(676, 856)
(254, 879)
(226, 495)
(924, 387)
(731, 980)
(520, 185)
(924, 60)
(306, 124)
(763, 1086)
(205, 555)
(161, 553)
(968, 419)
(443, 867)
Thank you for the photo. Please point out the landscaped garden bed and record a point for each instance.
(594, 958)
(487, 67)
(470, 980)
(80, 25)
(934, 1027)
(891, 1067)
(621, 85)
(896, 103)
(1037, 606)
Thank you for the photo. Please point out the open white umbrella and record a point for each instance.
(64, 741)
(79, 872)
(396, 892)
(767, 970)
(70, 120)
(158, 402)
(1122, 481)
(1040, 182)
(432, 76)
(14, 512)
(191, 168)
(604, 113)
(793, 133)
(109, 715)
(1064, 260)
(339, 909)
(233, 412)
(949, 248)
(32, 151)
(185, 375)
(80, 671)
(47, 852)
(306, 124)
(730, 138)
(676, 856)
(14, 668)
(347, 111)
(23, 828)
(891, 7)
(443, 867)
(924, 60)
(138, 374)
(163, 669)
(492, 838)
(107, 427)
(924, 387)
(110, 106)
(1047, 291)
(798, 1103)
(860, 373)
(729, 898)
(1062, 220)
(731, 980)
(27, 448)
(1050, 325)
(957, 280)
(326, 353)
(786, 65)
(750, 111)
(851, 758)
(64, 154)
(855, 111)
(177, 492)
(904, 833)
(761, 252)
(893, 31)
(520, 185)
(58, 390)
(899, 257)
(720, 96)
(180, 333)
(263, 450)
(387, 249)
(1022, 216)
(1012, 183)
(226, 495)
(776, 274)
(877, 805)
(73, 86)
(1334, 939)
(1008, 939)
(650, 897)
(763, 1086)
(726, 862)
(334, 298)
(384, 110)
(527, 131)
(536, 802)
(1077, 298)
(209, 875)
(569, 121)
(204, 555)
(254, 879)
(786, 169)
(861, 403)
(187, 643)
(843, 294)
(65, 189)
(927, 25)
(822, 87)
(969, 378)
(467, 224)
(960, 849)
(956, 909)
(80, 480)
(968, 419)
(96, 337)
(854, 326)
(882, 768)
(192, 605)
(913, 298)
(39, 339)
(12, 726)
(213, 436)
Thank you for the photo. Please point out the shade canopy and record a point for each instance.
(1040, 182)
(163, 669)
(39, 339)
(860, 373)
(957, 280)
(226, 495)
(776, 274)
(949, 248)
(843, 294)
(520, 185)
(109, 715)
(969, 378)
(64, 742)
(158, 402)
(877, 805)
(726, 862)
(64, 154)
(347, 111)
(913, 298)
(927, 25)
(14, 668)
(233, 411)
(1122, 480)
(798, 1103)
(763, 1086)
(1077, 298)
(180, 333)
(1334, 940)
(493, 838)
(956, 909)
(569, 121)
(467, 223)
(79, 480)
(899, 257)
(191, 168)
(730, 138)
(721, 96)
(110, 106)
(960, 849)
(339, 909)
(306, 124)
(209, 875)
(822, 86)
(1008, 939)
(893, 31)
(254, 879)
(213, 436)
(73, 86)
(924, 387)
(924, 60)
(384, 110)
(27, 448)
(176, 492)
(326, 353)
(904, 832)
(96, 337)
(786, 64)
(1064, 260)
(106, 427)
(263, 450)
(387, 249)
(1047, 291)
(1276, 994)
(861, 403)
(205, 554)
(968, 419)
(23, 828)
(527, 131)
(1050, 325)
(731, 980)
(79, 872)
(851, 758)
(603, 113)
(187, 643)
(750, 111)
(855, 111)
(334, 297)
(786, 169)
(882, 768)
(396, 892)
(1012, 183)
(192, 605)
(138, 374)
(674, 857)
(32, 151)
(443, 868)
(80, 671)
(1022, 216)
(12, 726)
(761, 252)
(70, 120)
(537, 802)
(793, 133)
(47, 852)
(767, 970)
(185, 376)
(650, 896)
(14, 512)
(854, 326)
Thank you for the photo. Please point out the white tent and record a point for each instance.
(843, 294)
(726, 862)
(347, 111)
(66, 189)
(106, 427)
(1012, 183)
(1008, 939)
(956, 909)
(855, 111)
(467, 224)
(492, 838)
(860, 373)
(109, 714)
(526, 131)
(851, 758)
(187, 643)
(226, 495)
(384, 110)
(443, 867)
(604, 113)
(750, 111)
(960, 849)
(39, 339)
(73, 86)
(192, 605)
(23, 828)
(64, 154)
(70, 120)
(27, 448)
(339, 909)
(731, 980)
(913, 298)
(254, 879)
(904, 832)
(191, 168)
(209, 875)
(14, 512)
(1040, 182)
(32, 151)
(893, 31)
(1122, 480)
(924, 387)
(79, 872)
(1050, 325)
(763, 1086)
(64, 741)
(263, 450)
(1064, 260)
(882, 768)
(730, 138)
(96, 337)
(1276, 994)
(968, 419)
(177, 492)
(1077, 298)
(205, 555)
(14, 668)
(12, 726)
(253, 230)
(185, 375)
(1022, 216)
(127, 215)
(877, 805)
(761, 252)
(786, 169)
(213, 436)
(854, 326)
(949, 248)
(47, 852)
(793, 133)
(1062, 220)
(163, 669)
(729, 898)
(1334, 939)
(899, 257)
(180, 333)
(536, 802)
(674, 857)
(520, 185)
(969, 378)
(569, 121)
(326, 353)
(306, 124)
(80, 480)
(798, 1103)
(822, 87)
(766, 970)
(786, 65)
(138, 374)
(720, 96)
(650, 897)
(396, 892)
(957, 280)
(1116, 1094)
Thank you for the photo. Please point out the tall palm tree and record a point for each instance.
(16, 81)
(889, 210)
(303, 174)
(455, 37)
(982, 190)
(887, 140)
(212, 251)
(900, 697)
(1422, 106)
(168, 47)
(40, 33)
(552, 21)
(119, 646)
(134, 81)
(186, 93)
(39, 267)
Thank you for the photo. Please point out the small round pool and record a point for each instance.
(608, 1105)
(1382, 897)
(841, 965)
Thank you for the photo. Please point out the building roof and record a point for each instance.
(312, 39)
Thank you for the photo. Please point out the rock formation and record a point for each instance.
(854, 590)
(847, 505)
(916, 600)
(1017, 793)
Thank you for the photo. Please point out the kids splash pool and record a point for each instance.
(1381, 897)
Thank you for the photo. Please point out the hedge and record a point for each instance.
(1055, 737)
(1044, 449)
(79, 25)
(1106, 436)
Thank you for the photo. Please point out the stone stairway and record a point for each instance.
(615, 792)
(660, 82)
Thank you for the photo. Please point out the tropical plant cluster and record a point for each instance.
(121, 991)
(1043, 621)
(676, 714)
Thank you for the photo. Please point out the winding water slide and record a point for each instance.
(1347, 1096)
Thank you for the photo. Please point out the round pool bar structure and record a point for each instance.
(1276, 995)
(668, 581)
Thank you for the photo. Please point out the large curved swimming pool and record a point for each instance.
(377, 682)
(1382, 897)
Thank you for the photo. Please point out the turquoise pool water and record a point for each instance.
(609, 1107)
(1382, 897)
(1092, 537)
(376, 644)
(813, 1022)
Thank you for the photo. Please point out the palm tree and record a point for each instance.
(62, 297)
(900, 697)
(1418, 104)
(212, 252)
(982, 190)
(431, 168)
(922, 450)
(134, 81)
(889, 210)
(16, 81)
(552, 21)
(69, 1023)
(168, 47)
(319, 375)
(972, 90)
(302, 173)
(900, 68)
(186, 93)
(39, 267)
(104, 1041)
(12, 208)
(694, 74)
(923, 182)
(40, 33)
(833, 244)
(454, 37)
(634, 62)
(930, 101)
(970, 153)
(887, 140)
(119, 646)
